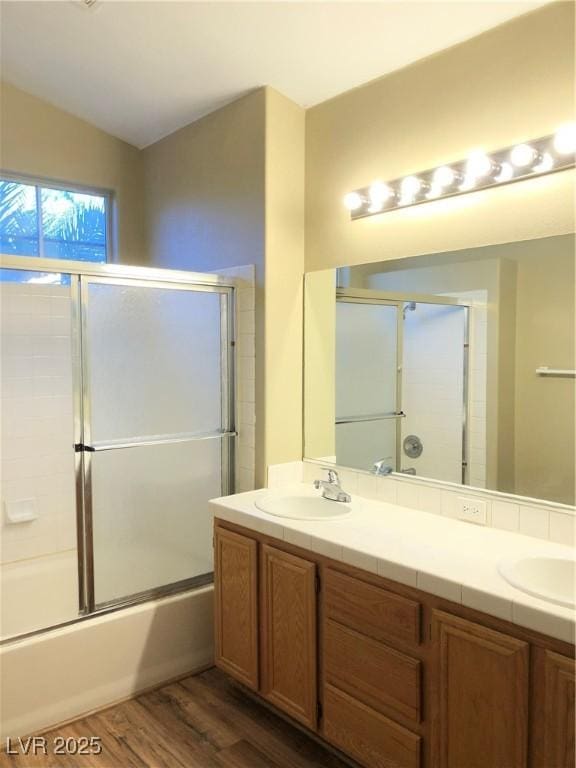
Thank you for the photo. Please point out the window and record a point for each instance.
(52, 222)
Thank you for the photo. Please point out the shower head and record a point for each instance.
(409, 306)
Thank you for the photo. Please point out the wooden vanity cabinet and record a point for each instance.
(288, 634)
(236, 606)
(266, 622)
(481, 712)
(391, 676)
(553, 693)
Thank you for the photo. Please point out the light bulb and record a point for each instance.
(469, 182)
(410, 186)
(565, 139)
(523, 155)
(478, 165)
(546, 164)
(352, 201)
(443, 176)
(435, 191)
(506, 173)
(379, 193)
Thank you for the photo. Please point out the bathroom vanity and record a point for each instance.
(327, 621)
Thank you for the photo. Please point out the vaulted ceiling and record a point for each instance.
(140, 70)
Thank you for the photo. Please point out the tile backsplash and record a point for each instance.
(542, 520)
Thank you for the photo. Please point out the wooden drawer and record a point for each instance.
(371, 610)
(372, 672)
(367, 736)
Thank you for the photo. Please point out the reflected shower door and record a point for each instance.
(367, 383)
(158, 428)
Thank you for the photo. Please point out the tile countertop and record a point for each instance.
(455, 560)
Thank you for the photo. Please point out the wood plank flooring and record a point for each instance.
(204, 721)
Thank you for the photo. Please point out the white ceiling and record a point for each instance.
(140, 70)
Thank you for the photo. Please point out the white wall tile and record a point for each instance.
(534, 522)
(505, 515)
(407, 494)
(434, 585)
(387, 490)
(396, 572)
(430, 499)
(563, 528)
(368, 486)
(487, 603)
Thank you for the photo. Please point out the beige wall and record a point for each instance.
(205, 191)
(205, 198)
(511, 83)
(320, 364)
(42, 141)
(545, 335)
(284, 268)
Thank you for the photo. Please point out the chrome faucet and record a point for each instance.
(331, 488)
(381, 468)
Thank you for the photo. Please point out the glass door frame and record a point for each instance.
(148, 276)
(86, 447)
(368, 296)
(348, 296)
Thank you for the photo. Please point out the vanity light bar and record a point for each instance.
(480, 170)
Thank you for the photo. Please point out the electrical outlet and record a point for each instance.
(472, 510)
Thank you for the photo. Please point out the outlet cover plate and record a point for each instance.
(472, 510)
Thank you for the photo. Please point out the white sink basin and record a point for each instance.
(303, 507)
(551, 578)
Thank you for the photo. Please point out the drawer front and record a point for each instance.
(372, 672)
(367, 736)
(371, 610)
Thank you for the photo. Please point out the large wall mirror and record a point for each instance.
(453, 366)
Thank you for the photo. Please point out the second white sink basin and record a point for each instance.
(303, 507)
(550, 578)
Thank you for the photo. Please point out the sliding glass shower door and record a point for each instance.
(368, 341)
(157, 432)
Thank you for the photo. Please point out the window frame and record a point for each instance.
(40, 183)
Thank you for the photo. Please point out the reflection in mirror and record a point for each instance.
(433, 366)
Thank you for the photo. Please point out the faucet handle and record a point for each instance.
(333, 477)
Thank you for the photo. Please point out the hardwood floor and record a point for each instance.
(204, 721)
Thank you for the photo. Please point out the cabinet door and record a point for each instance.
(481, 683)
(553, 695)
(289, 634)
(236, 605)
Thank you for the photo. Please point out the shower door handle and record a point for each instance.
(375, 417)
